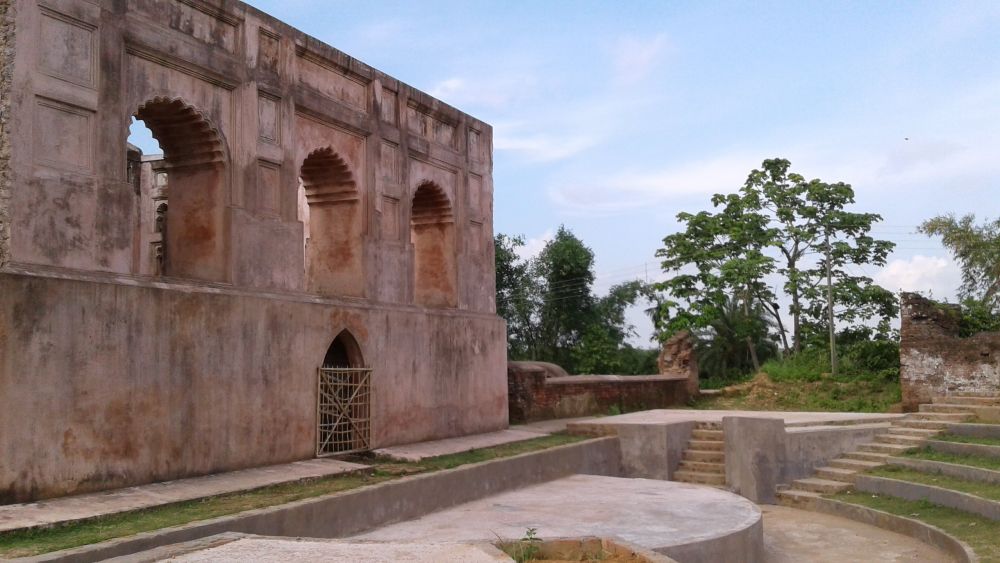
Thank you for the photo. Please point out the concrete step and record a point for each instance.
(703, 467)
(821, 486)
(879, 457)
(917, 423)
(901, 439)
(945, 408)
(916, 432)
(882, 448)
(797, 498)
(971, 400)
(855, 464)
(699, 478)
(836, 474)
(708, 425)
(706, 445)
(703, 434)
(942, 416)
(711, 457)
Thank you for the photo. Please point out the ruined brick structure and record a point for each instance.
(537, 391)
(317, 209)
(679, 358)
(935, 361)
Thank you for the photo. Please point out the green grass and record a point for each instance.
(968, 439)
(979, 533)
(45, 540)
(971, 460)
(825, 395)
(984, 490)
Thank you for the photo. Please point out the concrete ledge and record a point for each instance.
(920, 531)
(966, 472)
(917, 491)
(975, 430)
(964, 449)
(358, 510)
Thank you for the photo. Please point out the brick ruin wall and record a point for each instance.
(532, 394)
(934, 360)
(6, 78)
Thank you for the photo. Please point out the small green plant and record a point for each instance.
(614, 410)
(525, 549)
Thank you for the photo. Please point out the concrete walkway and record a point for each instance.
(607, 424)
(82, 507)
(517, 433)
(793, 536)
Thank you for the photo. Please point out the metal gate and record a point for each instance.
(343, 410)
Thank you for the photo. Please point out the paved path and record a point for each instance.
(794, 536)
(81, 507)
(666, 416)
(518, 433)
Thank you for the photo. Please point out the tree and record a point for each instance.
(721, 345)
(977, 251)
(565, 270)
(518, 296)
(776, 224)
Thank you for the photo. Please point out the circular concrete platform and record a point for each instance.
(689, 523)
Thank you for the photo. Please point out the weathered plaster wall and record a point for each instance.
(111, 375)
(532, 395)
(108, 384)
(935, 361)
(8, 13)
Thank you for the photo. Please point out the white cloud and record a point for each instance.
(926, 274)
(634, 189)
(533, 246)
(635, 58)
(539, 147)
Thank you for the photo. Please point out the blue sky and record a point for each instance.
(611, 117)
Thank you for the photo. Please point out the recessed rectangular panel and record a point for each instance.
(390, 218)
(475, 237)
(269, 115)
(430, 127)
(63, 136)
(268, 188)
(331, 82)
(476, 194)
(389, 163)
(268, 50)
(388, 107)
(201, 21)
(67, 48)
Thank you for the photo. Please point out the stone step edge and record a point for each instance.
(916, 529)
(908, 490)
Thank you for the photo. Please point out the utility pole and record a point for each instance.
(829, 307)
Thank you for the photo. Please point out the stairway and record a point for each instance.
(704, 460)
(905, 434)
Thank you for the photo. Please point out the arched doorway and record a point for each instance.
(343, 399)
(432, 234)
(191, 235)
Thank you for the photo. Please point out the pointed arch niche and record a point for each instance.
(331, 217)
(432, 235)
(195, 241)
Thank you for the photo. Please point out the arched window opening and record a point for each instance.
(183, 233)
(330, 211)
(432, 234)
(344, 352)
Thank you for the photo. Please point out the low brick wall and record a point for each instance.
(533, 396)
(935, 361)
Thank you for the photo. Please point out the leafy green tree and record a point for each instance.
(976, 248)
(602, 345)
(721, 345)
(518, 296)
(565, 268)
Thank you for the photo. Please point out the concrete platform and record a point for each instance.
(606, 425)
(237, 548)
(83, 507)
(687, 522)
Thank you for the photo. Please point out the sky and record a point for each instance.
(612, 117)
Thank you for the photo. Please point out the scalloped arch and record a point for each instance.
(187, 137)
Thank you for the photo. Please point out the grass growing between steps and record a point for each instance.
(45, 540)
(979, 533)
(982, 462)
(984, 490)
(968, 439)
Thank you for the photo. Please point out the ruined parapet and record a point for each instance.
(934, 360)
(7, 29)
(678, 358)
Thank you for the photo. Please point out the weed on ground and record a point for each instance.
(984, 490)
(979, 533)
(823, 394)
(45, 540)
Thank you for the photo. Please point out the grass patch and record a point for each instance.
(978, 532)
(968, 439)
(982, 462)
(825, 395)
(45, 540)
(984, 490)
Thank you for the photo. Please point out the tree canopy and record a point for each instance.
(976, 248)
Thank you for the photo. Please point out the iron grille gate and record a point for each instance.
(343, 410)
